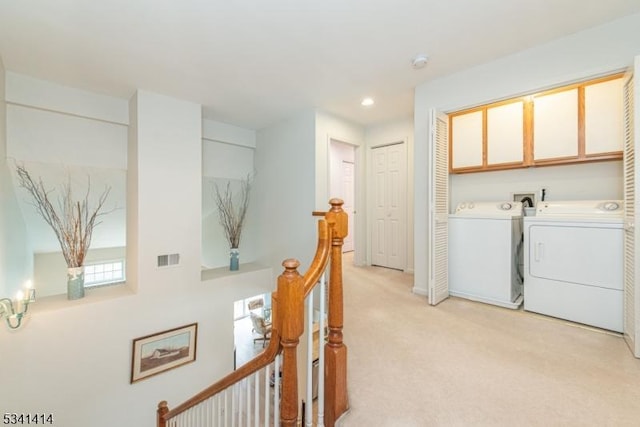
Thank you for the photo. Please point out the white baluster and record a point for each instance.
(267, 395)
(207, 411)
(323, 286)
(220, 408)
(276, 393)
(247, 399)
(234, 404)
(256, 397)
(215, 416)
(308, 408)
(226, 407)
(240, 386)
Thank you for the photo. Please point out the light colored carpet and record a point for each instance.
(464, 363)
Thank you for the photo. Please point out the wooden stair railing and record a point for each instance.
(335, 377)
(288, 326)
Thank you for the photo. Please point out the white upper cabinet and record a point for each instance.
(466, 142)
(603, 117)
(581, 122)
(555, 125)
(505, 133)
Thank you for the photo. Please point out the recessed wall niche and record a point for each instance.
(65, 135)
(223, 163)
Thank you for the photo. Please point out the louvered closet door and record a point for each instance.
(439, 208)
(631, 119)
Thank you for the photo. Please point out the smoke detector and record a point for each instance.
(419, 61)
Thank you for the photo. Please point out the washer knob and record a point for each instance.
(506, 206)
(611, 206)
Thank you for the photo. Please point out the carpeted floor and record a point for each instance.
(464, 363)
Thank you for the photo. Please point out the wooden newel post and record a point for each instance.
(291, 327)
(335, 389)
(163, 408)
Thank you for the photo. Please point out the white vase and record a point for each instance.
(75, 283)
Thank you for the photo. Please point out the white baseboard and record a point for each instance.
(419, 291)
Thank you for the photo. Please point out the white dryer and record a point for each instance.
(573, 262)
(483, 243)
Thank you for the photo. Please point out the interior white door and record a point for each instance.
(438, 207)
(348, 196)
(342, 182)
(631, 121)
(388, 248)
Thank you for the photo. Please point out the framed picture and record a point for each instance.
(163, 351)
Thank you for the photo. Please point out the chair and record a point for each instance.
(262, 328)
(255, 304)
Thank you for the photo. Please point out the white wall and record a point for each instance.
(602, 180)
(579, 56)
(169, 172)
(400, 130)
(292, 180)
(284, 191)
(73, 358)
(330, 127)
(16, 261)
(227, 156)
(61, 134)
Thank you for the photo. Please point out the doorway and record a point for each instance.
(245, 345)
(342, 183)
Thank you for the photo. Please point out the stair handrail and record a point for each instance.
(289, 297)
(264, 358)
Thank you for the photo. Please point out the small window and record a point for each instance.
(104, 273)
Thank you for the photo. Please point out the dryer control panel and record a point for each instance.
(581, 208)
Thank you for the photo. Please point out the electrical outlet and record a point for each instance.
(517, 197)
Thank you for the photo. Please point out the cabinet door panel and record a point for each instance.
(603, 117)
(555, 125)
(505, 133)
(466, 133)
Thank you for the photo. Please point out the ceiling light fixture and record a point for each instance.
(367, 102)
(419, 61)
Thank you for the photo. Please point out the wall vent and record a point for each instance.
(167, 260)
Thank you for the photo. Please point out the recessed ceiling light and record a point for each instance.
(419, 61)
(367, 102)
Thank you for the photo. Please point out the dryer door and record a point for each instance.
(586, 254)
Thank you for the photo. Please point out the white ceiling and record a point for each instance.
(254, 62)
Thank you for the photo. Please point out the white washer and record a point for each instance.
(573, 262)
(483, 242)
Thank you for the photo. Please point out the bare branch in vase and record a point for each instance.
(73, 221)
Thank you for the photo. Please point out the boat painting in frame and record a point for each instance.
(162, 351)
